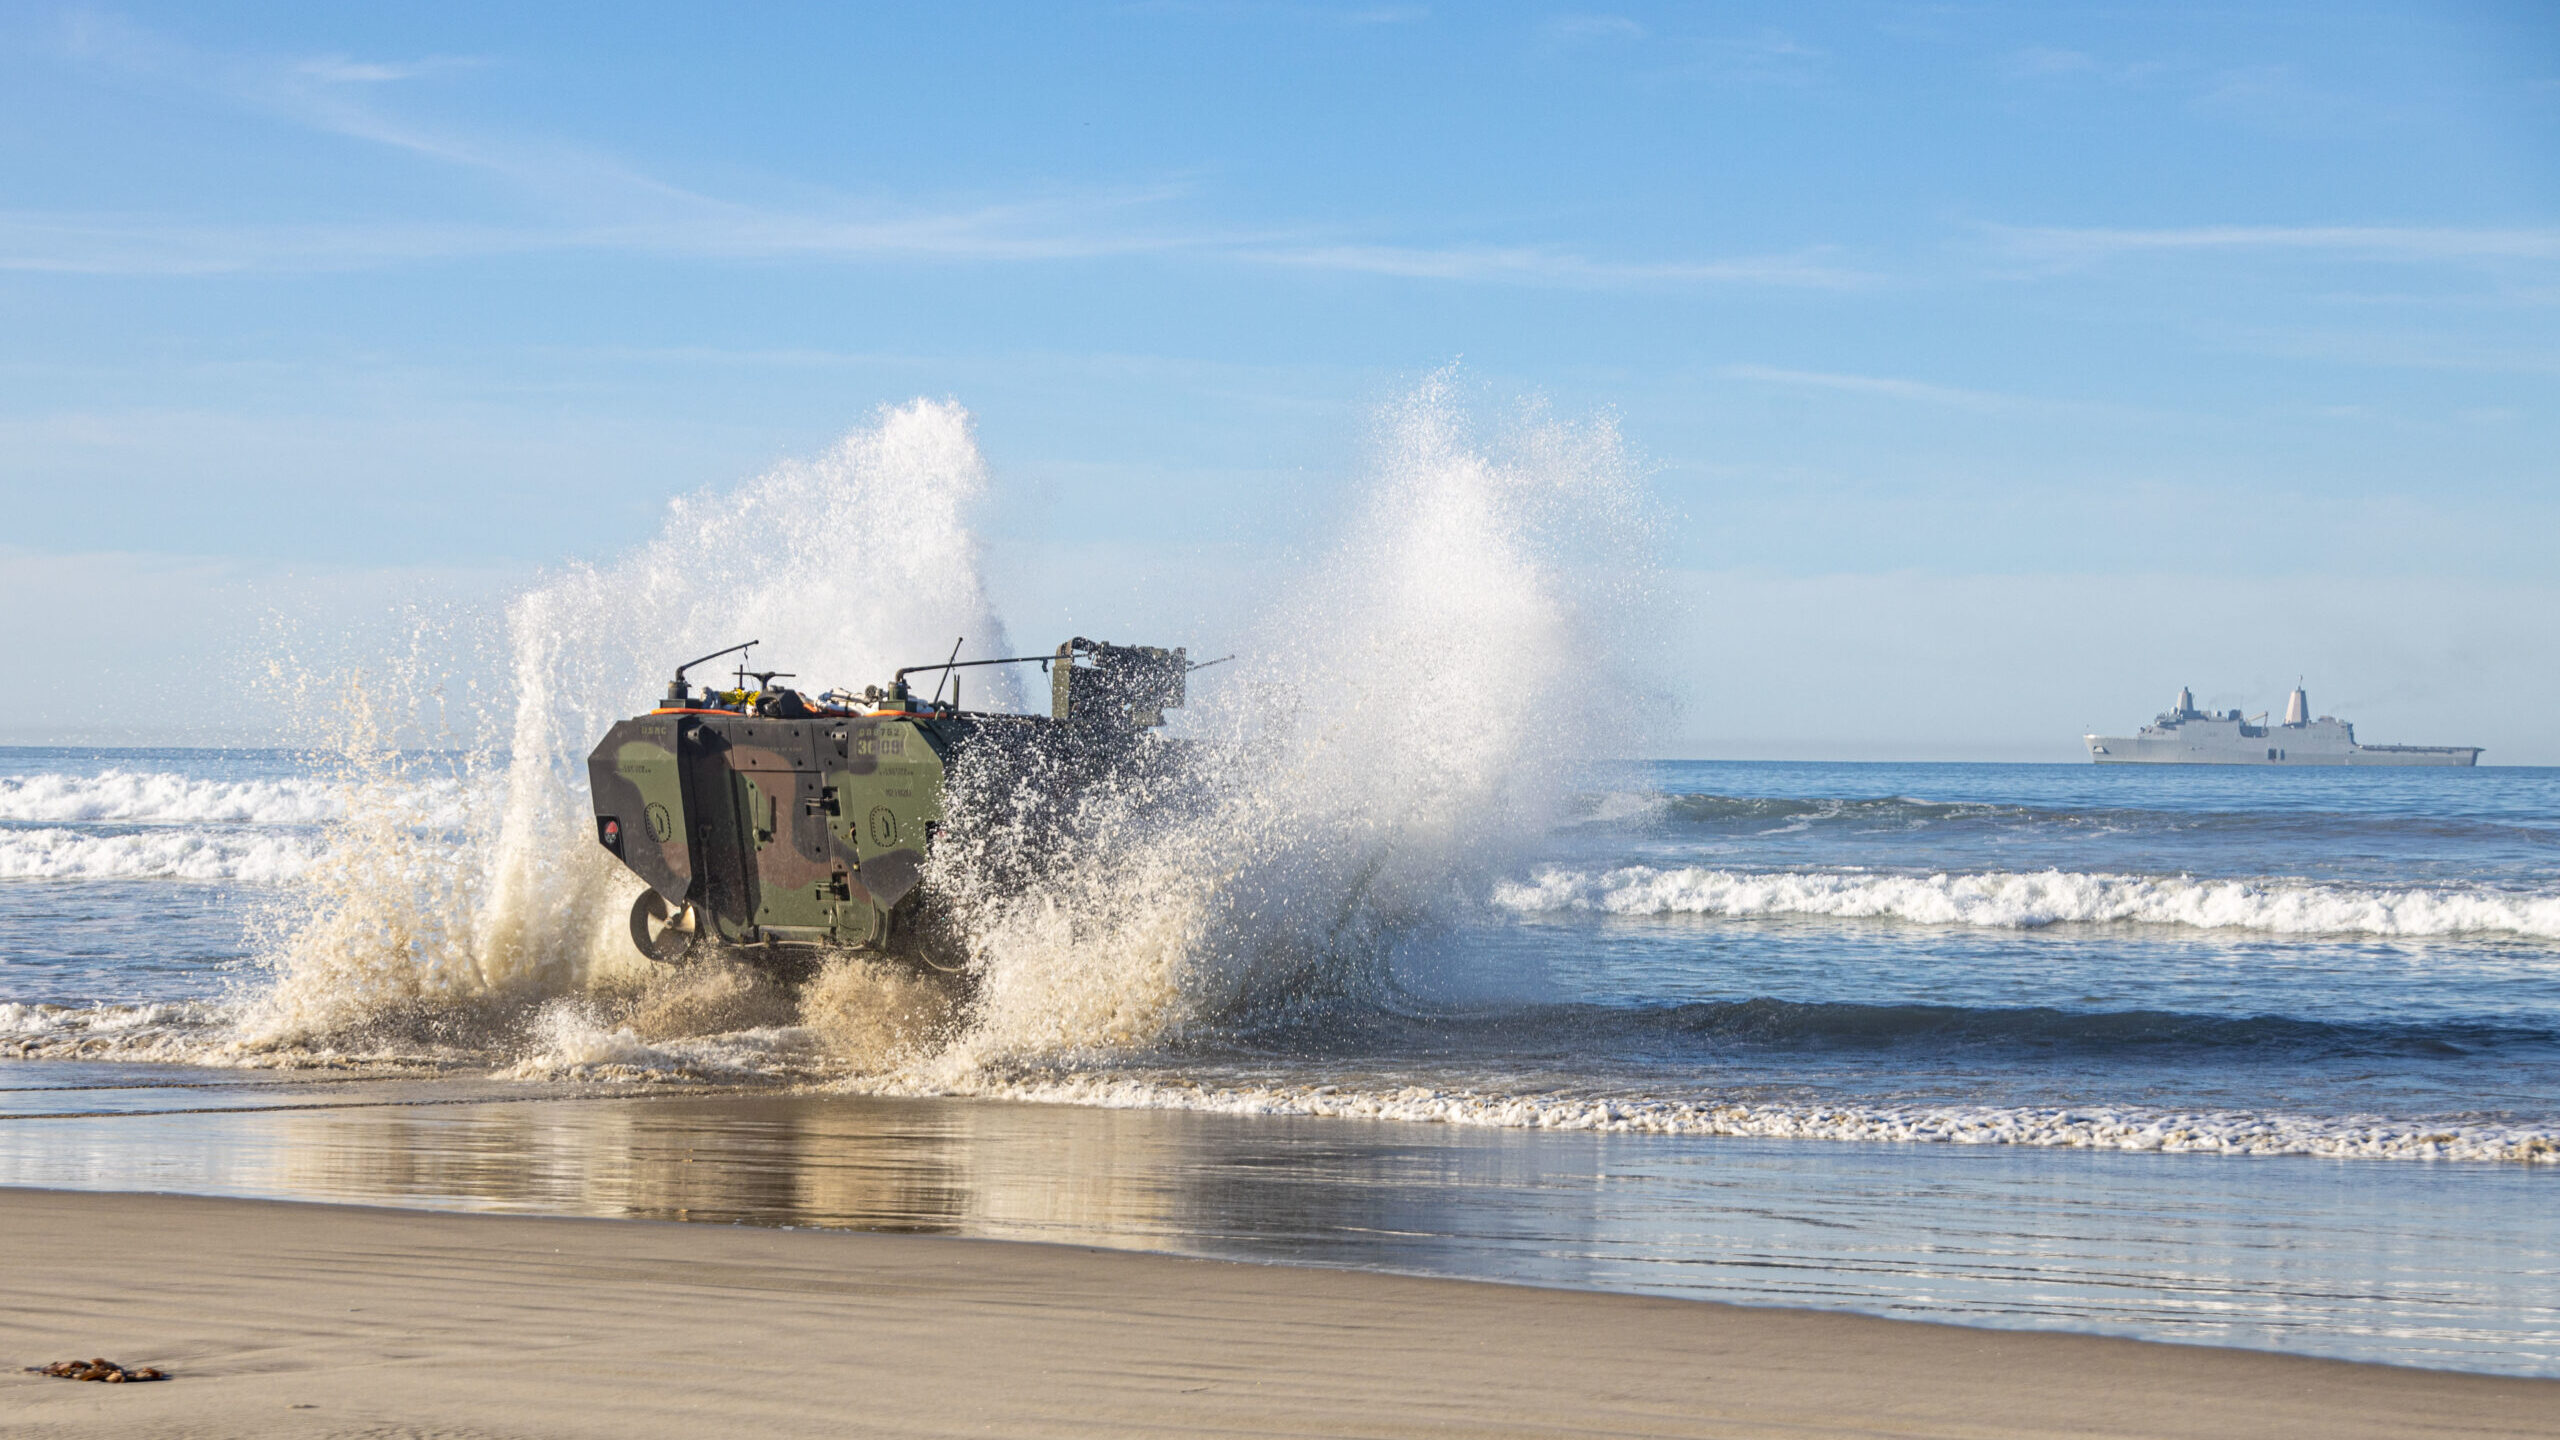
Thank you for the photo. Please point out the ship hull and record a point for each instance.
(2143, 750)
(2185, 735)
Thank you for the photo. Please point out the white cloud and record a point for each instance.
(1529, 264)
(1081, 227)
(344, 70)
(572, 199)
(1594, 27)
(2039, 61)
(2062, 246)
(1871, 385)
(1251, 10)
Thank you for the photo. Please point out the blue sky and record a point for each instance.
(2003, 367)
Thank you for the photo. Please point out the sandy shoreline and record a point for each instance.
(323, 1320)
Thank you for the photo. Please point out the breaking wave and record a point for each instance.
(59, 854)
(141, 797)
(2026, 901)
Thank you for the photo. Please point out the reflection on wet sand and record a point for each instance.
(2162, 1246)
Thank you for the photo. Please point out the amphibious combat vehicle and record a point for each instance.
(776, 824)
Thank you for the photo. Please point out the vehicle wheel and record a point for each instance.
(663, 933)
(923, 935)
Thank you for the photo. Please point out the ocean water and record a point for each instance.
(2316, 962)
(1796, 1008)
(2251, 1056)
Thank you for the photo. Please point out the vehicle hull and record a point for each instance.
(776, 832)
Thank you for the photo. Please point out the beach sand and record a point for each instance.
(322, 1320)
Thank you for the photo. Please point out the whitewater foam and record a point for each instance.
(2015, 901)
(59, 854)
(2103, 1128)
(176, 1031)
(142, 797)
(573, 1039)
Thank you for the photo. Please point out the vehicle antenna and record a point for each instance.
(675, 687)
(947, 669)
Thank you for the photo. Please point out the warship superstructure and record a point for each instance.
(2189, 736)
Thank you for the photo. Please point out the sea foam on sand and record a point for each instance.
(2089, 1128)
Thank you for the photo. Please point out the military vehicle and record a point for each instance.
(2185, 735)
(776, 825)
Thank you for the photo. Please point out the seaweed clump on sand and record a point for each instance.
(106, 1371)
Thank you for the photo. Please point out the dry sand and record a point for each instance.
(311, 1320)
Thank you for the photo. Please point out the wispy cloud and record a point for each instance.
(1065, 229)
(1576, 27)
(559, 197)
(1347, 15)
(1980, 400)
(91, 244)
(145, 245)
(341, 96)
(342, 70)
(2373, 242)
(2043, 61)
(2401, 350)
(1544, 266)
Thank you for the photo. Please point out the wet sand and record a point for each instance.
(323, 1320)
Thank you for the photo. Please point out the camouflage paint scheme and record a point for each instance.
(814, 831)
(804, 831)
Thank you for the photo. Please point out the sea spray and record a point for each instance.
(1409, 714)
(847, 566)
(374, 932)
(876, 1016)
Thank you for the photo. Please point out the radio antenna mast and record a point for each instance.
(947, 670)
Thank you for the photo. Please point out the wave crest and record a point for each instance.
(145, 797)
(2027, 901)
(57, 854)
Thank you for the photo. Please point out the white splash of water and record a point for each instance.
(844, 566)
(1413, 711)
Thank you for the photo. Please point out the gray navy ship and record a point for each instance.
(2189, 736)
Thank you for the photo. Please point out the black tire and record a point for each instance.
(664, 933)
(923, 935)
